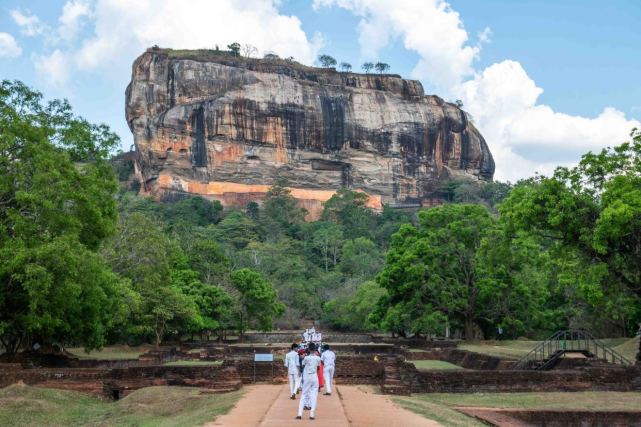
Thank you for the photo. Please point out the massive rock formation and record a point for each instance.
(227, 128)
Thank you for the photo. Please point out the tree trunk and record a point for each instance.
(469, 328)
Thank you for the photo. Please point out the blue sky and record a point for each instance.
(544, 80)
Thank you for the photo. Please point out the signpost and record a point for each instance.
(263, 358)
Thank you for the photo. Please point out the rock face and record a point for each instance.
(227, 128)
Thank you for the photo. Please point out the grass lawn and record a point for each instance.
(439, 406)
(22, 405)
(434, 364)
(194, 363)
(515, 349)
(629, 348)
(112, 352)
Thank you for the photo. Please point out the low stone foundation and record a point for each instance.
(554, 418)
(121, 381)
(469, 381)
(349, 370)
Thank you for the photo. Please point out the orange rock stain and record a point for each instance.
(237, 194)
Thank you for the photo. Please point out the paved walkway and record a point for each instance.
(270, 406)
(365, 407)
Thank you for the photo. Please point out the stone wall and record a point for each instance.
(469, 381)
(554, 418)
(349, 370)
(121, 381)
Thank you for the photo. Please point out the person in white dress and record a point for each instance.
(311, 364)
(292, 363)
(329, 362)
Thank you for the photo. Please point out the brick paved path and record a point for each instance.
(270, 406)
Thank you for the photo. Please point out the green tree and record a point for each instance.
(593, 210)
(348, 209)
(258, 302)
(56, 206)
(328, 239)
(361, 258)
(234, 48)
(367, 67)
(236, 230)
(208, 259)
(326, 61)
(281, 214)
(352, 312)
(142, 252)
(381, 67)
(432, 272)
(214, 305)
(346, 67)
(192, 211)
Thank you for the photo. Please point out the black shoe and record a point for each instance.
(298, 417)
(312, 418)
(307, 408)
(328, 394)
(293, 397)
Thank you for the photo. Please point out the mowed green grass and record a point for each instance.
(440, 406)
(515, 349)
(22, 405)
(434, 364)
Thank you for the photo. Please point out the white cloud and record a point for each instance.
(524, 136)
(124, 28)
(527, 137)
(8, 46)
(71, 20)
(431, 28)
(30, 25)
(54, 68)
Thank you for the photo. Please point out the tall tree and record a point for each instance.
(432, 272)
(361, 258)
(142, 252)
(281, 213)
(381, 67)
(326, 61)
(348, 209)
(258, 301)
(593, 210)
(367, 67)
(234, 48)
(346, 67)
(328, 239)
(56, 206)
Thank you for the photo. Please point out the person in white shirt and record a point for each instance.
(292, 363)
(329, 362)
(311, 364)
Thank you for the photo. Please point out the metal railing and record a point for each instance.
(544, 355)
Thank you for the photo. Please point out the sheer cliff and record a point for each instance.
(227, 128)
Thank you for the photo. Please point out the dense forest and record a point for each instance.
(85, 260)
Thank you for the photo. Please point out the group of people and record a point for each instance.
(309, 370)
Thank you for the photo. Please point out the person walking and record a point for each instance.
(329, 362)
(311, 364)
(292, 363)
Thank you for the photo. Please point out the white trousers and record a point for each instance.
(328, 374)
(310, 394)
(294, 381)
